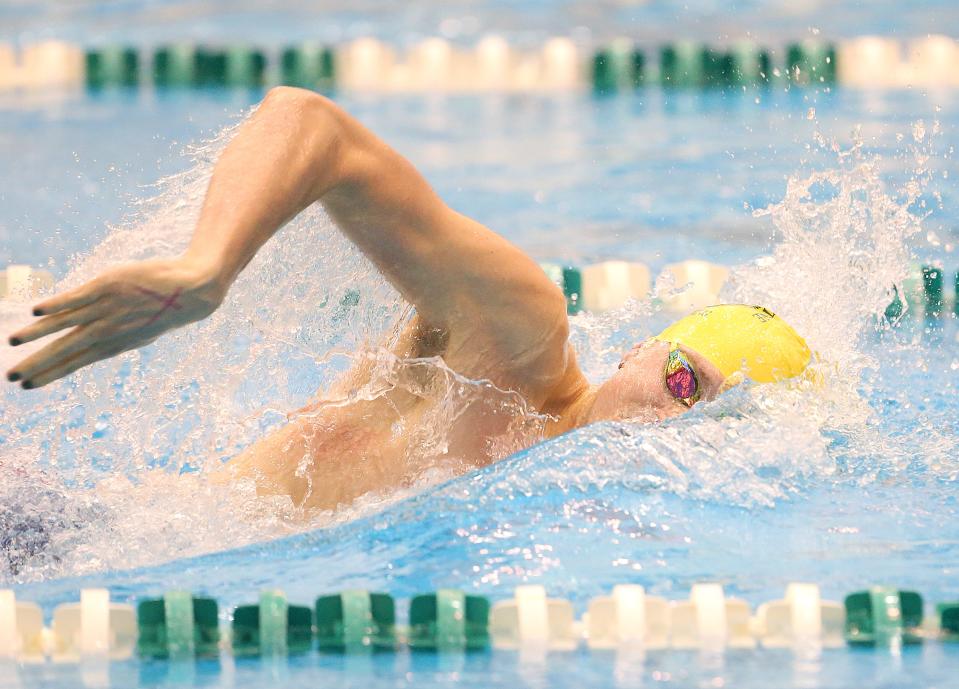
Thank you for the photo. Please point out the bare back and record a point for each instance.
(412, 407)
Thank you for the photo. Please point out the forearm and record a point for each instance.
(284, 158)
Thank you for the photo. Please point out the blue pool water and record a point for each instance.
(847, 486)
(524, 22)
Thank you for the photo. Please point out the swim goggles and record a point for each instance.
(680, 377)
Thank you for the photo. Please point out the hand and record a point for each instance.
(124, 308)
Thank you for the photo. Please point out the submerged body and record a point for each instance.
(483, 312)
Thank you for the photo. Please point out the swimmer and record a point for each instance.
(480, 303)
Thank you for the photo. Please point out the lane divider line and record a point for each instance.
(681, 287)
(435, 64)
(182, 627)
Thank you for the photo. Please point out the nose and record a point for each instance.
(629, 355)
(636, 348)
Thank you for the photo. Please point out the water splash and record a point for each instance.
(135, 436)
(117, 455)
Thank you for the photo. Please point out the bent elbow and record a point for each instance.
(293, 101)
(315, 123)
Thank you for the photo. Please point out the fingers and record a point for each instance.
(56, 322)
(67, 366)
(53, 355)
(73, 299)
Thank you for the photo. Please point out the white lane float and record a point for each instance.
(533, 621)
(366, 65)
(21, 629)
(871, 62)
(800, 619)
(610, 284)
(430, 65)
(9, 70)
(560, 65)
(93, 628)
(493, 59)
(696, 285)
(710, 621)
(52, 64)
(627, 619)
(934, 61)
(22, 281)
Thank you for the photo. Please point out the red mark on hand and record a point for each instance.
(168, 302)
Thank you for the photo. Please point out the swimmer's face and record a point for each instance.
(640, 390)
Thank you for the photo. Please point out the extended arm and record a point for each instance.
(299, 148)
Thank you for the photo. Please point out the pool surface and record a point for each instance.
(848, 485)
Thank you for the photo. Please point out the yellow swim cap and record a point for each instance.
(736, 337)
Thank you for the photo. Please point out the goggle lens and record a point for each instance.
(680, 377)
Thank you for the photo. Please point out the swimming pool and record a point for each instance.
(765, 486)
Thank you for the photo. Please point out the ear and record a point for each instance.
(732, 381)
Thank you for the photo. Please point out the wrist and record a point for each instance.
(209, 277)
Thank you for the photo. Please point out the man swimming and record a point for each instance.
(481, 305)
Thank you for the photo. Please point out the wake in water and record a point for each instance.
(114, 459)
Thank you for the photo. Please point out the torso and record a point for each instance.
(393, 418)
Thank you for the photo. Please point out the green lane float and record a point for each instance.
(681, 65)
(308, 65)
(955, 303)
(568, 279)
(356, 621)
(750, 64)
(112, 66)
(573, 289)
(178, 625)
(449, 620)
(688, 65)
(882, 615)
(176, 65)
(948, 621)
(210, 67)
(273, 627)
(718, 68)
(811, 62)
(922, 293)
(245, 67)
(619, 67)
(932, 290)
(896, 308)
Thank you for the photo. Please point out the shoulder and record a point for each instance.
(522, 342)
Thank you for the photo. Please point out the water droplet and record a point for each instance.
(811, 114)
(919, 130)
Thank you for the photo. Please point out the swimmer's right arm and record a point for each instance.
(282, 159)
(300, 147)
(296, 149)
